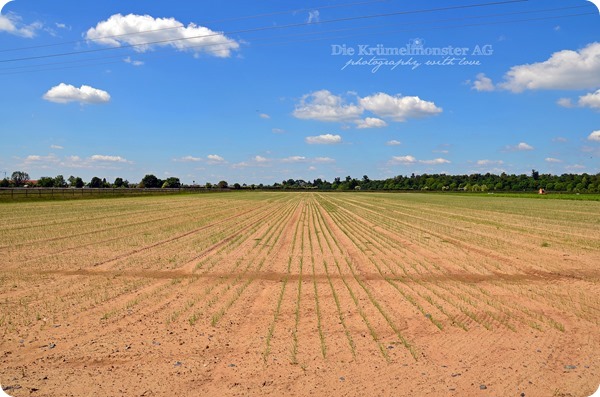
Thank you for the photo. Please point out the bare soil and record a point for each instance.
(300, 294)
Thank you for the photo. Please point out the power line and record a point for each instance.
(91, 61)
(205, 22)
(309, 40)
(265, 28)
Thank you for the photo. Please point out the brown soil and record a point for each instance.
(300, 294)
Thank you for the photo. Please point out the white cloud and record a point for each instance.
(552, 160)
(483, 83)
(313, 16)
(575, 167)
(312, 168)
(594, 136)
(408, 160)
(327, 139)
(370, 122)
(111, 159)
(133, 62)
(65, 93)
(565, 103)
(324, 106)
(294, 159)
(323, 160)
(591, 100)
(264, 116)
(277, 131)
(521, 147)
(189, 159)
(564, 70)
(12, 24)
(215, 159)
(489, 162)
(57, 147)
(399, 108)
(261, 159)
(138, 30)
(437, 161)
(393, 142)
(403, 160)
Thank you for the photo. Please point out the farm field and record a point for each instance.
(274, 293)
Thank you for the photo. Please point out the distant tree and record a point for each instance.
(222, 185)
(96, 183)
(118, 182)
(19, 178)
(208, 185)
(535, 175)
(237, 186)
(59, 181)
(150, 181)
(72, 180)
(78, 183)
(171, 183)
(45, 181)
(4, 182)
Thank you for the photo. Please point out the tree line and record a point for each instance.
(572, 183)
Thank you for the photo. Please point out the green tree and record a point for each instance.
(171, 183)
(4, 183)
(59, 181)
(78, 183)
(45, 181)
(96, 183)
(19, 178)
(118, 182)
(222, 185)
(150, 181)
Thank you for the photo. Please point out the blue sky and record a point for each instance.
(258, 92)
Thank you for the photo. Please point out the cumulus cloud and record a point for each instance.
(489, 162)
(393, 142)
(65, 93)
(324, 106)
(142, 30)
(313, 16)
(323, 160)
(294, 159)
(408, 160)
(564, 70)
(370, 122)
(594, 136)
(404, 160)
(483, 83)
(261, 159)
(565, 103)
(437, 161)
(13, 24)
(327, 139)
(189, 159)
(109, 159)
(521, 147)
(133, 61)
(399, 108)
(552, 160)
(591, 100)
(215, 159)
